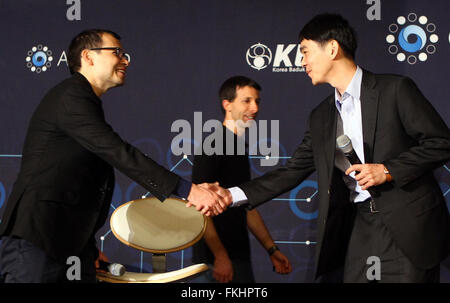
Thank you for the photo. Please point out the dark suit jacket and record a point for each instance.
(400, 129)
(64, 188)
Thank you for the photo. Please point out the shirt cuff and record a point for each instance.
(183, 189)
(238, 195)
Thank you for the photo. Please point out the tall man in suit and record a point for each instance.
(64, 188)
(400, 230)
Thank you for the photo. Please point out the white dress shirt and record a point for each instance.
(349, 108)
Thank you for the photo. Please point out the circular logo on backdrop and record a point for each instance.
(39, 58)
(412, 38)
(299, 213)
(259, 56)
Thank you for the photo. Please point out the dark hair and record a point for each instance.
(227, 90)
(86, 39)
(325, 27)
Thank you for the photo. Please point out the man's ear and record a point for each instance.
(333, 48)
(86, 57)
(226, 105)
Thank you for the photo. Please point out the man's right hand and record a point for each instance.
(206, 200)
(223, 269)
(223, 192)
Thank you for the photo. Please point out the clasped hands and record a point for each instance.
(209, 198)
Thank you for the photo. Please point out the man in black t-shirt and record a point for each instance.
(225, 245)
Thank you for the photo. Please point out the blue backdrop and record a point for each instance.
(181, 51)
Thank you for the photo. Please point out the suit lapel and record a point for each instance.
(369, 111)
(329, 134)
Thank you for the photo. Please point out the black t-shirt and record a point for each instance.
(231, 225)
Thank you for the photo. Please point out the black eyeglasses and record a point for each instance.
(116, 50)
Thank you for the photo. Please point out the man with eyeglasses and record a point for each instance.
(64, 188)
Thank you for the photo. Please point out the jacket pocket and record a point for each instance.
(423, 204)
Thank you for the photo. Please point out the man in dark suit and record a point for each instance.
(400, 230)
(64, 188)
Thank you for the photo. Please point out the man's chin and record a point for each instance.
(316, 82)
(120, 82)
(245, 123)
(120, 78)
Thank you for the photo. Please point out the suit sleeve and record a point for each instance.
(422, 123)
(283, 179)
(83, 120)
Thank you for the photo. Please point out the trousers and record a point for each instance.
(23, 262)
(373, 255)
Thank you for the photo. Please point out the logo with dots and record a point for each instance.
(412, 38)
(39, 58)
(259, 56)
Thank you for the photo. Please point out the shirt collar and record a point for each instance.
(353, 89)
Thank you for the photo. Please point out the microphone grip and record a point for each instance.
(354, 159)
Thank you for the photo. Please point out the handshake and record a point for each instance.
(209, 198)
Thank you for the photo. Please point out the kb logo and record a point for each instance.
(259, 56)
(412, 38)
(287, 57)
(39, 58)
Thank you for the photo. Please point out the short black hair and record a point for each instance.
(228, 89)
(86, 39)
(325, 27)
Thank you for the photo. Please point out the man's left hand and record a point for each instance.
(369, 174)
(281, 263)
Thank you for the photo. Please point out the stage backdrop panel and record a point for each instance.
(181, 52)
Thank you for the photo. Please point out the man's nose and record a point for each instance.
(254, 107)
(302, 62)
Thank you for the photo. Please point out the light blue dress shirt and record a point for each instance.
(349, 108)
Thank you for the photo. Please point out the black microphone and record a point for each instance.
(114, 269)
(345, 145)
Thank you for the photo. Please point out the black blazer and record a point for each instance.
(400, 129)
(65, 184)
